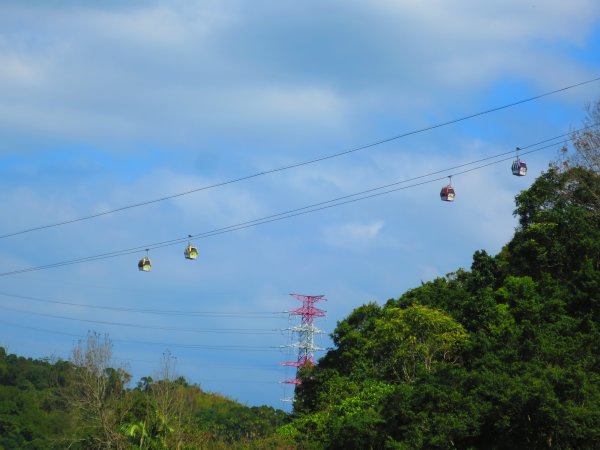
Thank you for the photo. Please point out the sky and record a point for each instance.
(109, 104)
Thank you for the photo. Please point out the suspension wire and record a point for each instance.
(265, 367)
(236, 381)
(153, 343)
(251, 315)
(287, 214)
(261, 368)
(303, 163)
(151, 327)
(123, 361)
(199, 378)
(262, 220)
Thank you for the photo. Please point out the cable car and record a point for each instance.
(190, 252)
(447, 193)
(519, 168)
(144, 264)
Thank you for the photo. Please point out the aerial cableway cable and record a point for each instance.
(339, 201)
(303, 163)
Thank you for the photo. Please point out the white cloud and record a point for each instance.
(186, 69)
(499, 21)
(158, 26)
(352, 235)
(299, 103)
(16, 70)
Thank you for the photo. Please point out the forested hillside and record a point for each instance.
(506, 355)
(57, 405)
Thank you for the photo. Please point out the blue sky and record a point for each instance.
(106, 104)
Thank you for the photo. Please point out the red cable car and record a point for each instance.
(447, 193)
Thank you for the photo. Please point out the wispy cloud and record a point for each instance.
(353, 235)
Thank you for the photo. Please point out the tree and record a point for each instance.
(32, 413)
(168, 402)
(165, 414)
(503, 356)
(559, 218)
(416, 337)
(97, 394)
(586, 149)
(351, 337)
(586, 141)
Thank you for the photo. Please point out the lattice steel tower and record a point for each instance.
(306, 333)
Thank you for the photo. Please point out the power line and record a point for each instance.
(303, 163)
(339, 201)
(172, 345)
(255, 331)
(219, 380)
(264, 367)
(118, 360)
(251, 348)
(215, 314)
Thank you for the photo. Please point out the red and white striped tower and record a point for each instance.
(306, 333)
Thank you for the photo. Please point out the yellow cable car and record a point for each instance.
(190, 251)
(145, 264)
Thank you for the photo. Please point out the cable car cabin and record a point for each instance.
(447, 194)
(519, 168)
(145, 265)
(191, 252)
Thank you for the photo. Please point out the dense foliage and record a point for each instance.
(506, 355)
(32, 413)
(47, 405)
